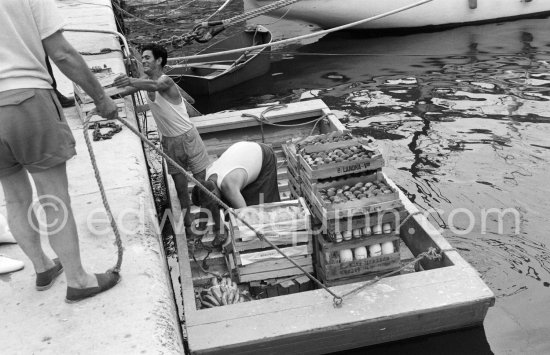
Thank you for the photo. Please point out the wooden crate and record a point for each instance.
(394, 216)
(280, 286)
(290, 153)
(277, 238)
(242, 234)
(326, 211)
(370, 265)
(294, 181)
(343, 281)
(269, 268)
(346, 167)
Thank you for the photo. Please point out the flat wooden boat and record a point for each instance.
(199, 77)
(446, 295)
(438, 13)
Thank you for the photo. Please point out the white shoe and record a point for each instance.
(7, 238)
(5, 235)
(8, 265)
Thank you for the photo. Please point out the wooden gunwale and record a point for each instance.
(449, 296)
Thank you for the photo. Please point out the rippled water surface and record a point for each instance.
(462, 117)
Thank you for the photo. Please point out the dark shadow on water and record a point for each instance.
(471, 341)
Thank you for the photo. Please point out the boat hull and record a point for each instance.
(438, 13)
(447, 295)
(221, 72)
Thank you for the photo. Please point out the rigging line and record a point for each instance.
(136, 17)
(218, 10)
(277, 20)
(310, 35)
(453, 55)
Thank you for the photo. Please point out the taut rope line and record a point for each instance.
(310, 35)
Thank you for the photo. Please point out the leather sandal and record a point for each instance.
(105, 282)
(46, 279)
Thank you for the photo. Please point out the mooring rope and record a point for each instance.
(298, 38)
(118, 240)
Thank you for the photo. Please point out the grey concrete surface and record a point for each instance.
(139, 314)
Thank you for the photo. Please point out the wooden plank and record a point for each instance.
(371, 308)
(186, 275)
(234, 120)
(354, 336)
(272, 265)
(291, 238)
(275, 274)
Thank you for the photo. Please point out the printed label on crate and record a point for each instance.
(348, 169)
(250, 258)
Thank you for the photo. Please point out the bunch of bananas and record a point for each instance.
(222, 293)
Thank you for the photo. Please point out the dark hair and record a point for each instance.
(158, 52)
(200, 198)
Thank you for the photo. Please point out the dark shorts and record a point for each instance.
(187, 150)
(265, 189)
(33, 131)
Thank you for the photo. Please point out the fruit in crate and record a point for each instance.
(338, 155)
(221, 294)
(325, 138)
(359, 191)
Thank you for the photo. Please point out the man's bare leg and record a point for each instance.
(21, 219)
(181, 183)
(53, 192)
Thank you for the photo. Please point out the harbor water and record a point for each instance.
(463, 119)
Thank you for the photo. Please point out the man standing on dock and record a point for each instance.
(244, 175)
(35, 138)
(179, 138)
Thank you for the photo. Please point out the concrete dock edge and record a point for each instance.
(139, 315)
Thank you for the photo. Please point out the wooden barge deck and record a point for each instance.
(448, 294)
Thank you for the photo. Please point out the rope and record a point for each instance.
(118, 241)
(257, 12)
(224, 205)
(310, 35)
(431, 254)
(218, 10)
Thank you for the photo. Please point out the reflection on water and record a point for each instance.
(462, 117)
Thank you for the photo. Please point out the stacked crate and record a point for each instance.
(357, 212)
(293, 170)
(287, 225)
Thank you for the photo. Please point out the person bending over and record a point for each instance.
(244, 175)
(180, 139)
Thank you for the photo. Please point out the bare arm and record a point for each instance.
(164, 84)
(231, 188)
(71, 63)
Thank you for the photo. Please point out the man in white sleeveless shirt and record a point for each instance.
(179, 138)
(245, 174)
